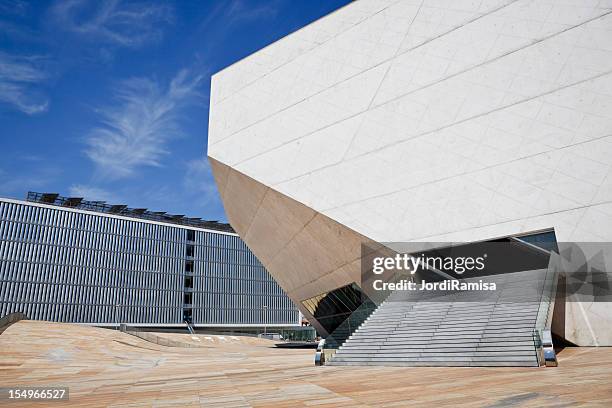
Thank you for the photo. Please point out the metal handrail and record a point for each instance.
(542, 328)
(189, 327)
(542, 333)
(320, 355)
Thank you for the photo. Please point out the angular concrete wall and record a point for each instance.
(306, 252)
(435, 121)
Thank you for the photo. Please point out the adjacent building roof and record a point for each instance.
(124, 210)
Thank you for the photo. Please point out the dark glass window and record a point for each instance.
(330, 309)
(546, 240)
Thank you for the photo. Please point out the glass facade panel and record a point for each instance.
(546, 240)
(331, 309)
(79, 266)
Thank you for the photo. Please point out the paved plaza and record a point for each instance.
(107, 368)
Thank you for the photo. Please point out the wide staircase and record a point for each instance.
(456, 329)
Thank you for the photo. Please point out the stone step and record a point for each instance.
(442, 358)
(441, 352)
(464, 346)
(450, 330)
(445, 337)
(448, 325)
(411, 319)
(394, 363)
(456, 334)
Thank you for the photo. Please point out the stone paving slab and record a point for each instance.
(108, 368)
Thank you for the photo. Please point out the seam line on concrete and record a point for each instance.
(446, 127)
(382, 81)
(362, 72)
(417, 239)
(290, 240)
(533, 42)
(430, 131)
(257, 209)
(305, 52)
(482, 169)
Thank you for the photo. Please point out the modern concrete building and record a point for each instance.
(421, 121)
(69, 260)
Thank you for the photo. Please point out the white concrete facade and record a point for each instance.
(448, 123)
(432, 120)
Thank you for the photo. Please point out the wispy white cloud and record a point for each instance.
(11, 21)
(238, 10)
(21, 179)
(199, 181)
(123, 24)
(135, 131)
(19, 80)
(93, 193)
(14, 7)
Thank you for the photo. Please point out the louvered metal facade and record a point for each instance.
(69, 265)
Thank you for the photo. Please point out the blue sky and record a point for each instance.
(108, 99)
